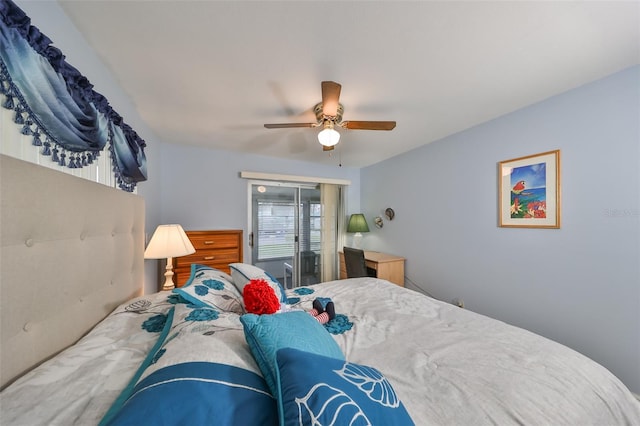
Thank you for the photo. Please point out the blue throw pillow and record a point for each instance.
(205, 393)
(266, 334)
(319, 390)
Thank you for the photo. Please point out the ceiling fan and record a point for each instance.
(329, 115)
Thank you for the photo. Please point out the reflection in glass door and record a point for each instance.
(286, 232)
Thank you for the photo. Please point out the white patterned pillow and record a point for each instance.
(242, 273)
(212, 288)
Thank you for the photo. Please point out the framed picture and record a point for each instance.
(529, 191)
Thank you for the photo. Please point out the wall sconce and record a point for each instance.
(358, 225)
(168, 241)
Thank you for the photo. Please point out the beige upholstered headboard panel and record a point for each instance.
(71, 251)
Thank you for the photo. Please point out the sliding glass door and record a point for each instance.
(286, 231)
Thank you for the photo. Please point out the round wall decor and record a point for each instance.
(389, 213)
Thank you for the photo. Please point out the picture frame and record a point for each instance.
(529, 191)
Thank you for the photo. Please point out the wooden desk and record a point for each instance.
(387, 266)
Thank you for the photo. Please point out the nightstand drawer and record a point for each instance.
(225, 256)
(209, 242)
(216, 249)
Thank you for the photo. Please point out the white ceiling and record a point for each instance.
(211, 73)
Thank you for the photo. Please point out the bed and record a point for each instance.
(443, 364)
(192, 355)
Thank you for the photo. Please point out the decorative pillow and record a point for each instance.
(212, 288)
(200, 394)
(319, 390)
(202, 360)
(242, 273)
(266, 334)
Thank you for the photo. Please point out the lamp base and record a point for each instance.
(168, 283)
(357, 240)
(168, 276)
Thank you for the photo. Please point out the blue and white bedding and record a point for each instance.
(202, 370)
(407, 359)
(79, 385)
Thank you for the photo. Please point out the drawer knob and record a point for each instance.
(209, 242)
(209, 257)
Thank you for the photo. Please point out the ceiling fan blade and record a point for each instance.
(369, 125)
(330, 98)
(289, 125)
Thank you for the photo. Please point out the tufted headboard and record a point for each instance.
(71, 250)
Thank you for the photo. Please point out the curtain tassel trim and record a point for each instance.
(74, 121)
(23, 116)
(77, 160)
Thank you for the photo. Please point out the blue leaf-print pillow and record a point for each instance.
(315, 389)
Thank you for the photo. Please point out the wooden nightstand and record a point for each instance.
(213, 248)
(387, 266)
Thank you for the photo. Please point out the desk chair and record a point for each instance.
(308, 270)
(308, 274)
(355, 263)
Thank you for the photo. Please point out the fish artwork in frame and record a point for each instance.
(529, 191)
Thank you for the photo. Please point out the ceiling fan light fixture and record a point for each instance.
(329, 114)
(328, 136)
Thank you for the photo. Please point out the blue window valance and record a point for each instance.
(57, 105)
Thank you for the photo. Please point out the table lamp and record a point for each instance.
(357, 224)
(168, 241)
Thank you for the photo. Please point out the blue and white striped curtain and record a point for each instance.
(56, 104)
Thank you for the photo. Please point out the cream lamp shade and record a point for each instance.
(167, 242)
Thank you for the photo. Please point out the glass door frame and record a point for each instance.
(295, 265)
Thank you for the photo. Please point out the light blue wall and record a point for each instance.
(579, 285)
(202, 188)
